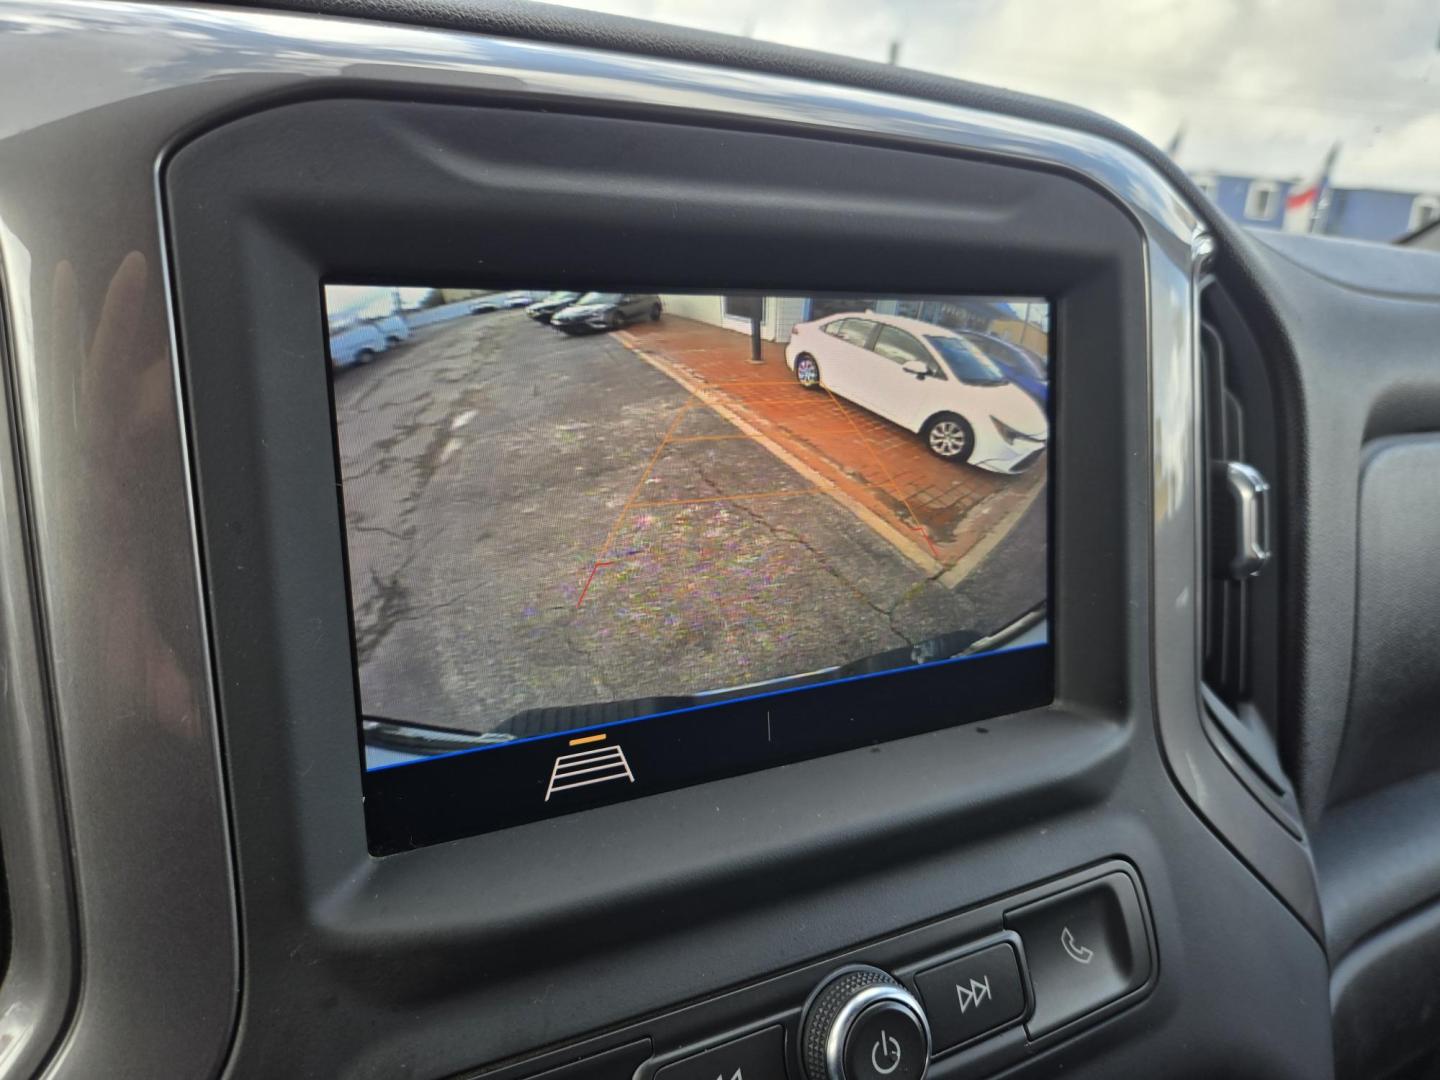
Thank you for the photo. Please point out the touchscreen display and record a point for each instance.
(603, 544)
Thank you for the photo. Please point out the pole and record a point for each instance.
(757, 310)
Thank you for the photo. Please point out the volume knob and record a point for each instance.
(863, 1025)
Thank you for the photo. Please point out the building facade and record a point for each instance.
(1354, 213)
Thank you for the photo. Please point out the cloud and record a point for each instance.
(1262, 87)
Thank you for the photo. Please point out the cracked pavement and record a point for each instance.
(490, 463)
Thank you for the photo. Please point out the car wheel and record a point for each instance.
(807, 371)
(949, 437)
(614, 321)
(655, 313)
(364, 356)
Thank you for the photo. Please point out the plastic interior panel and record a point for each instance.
(1384, 998)
(719, 884)
(1384, 829)
(1390, 733)
(780, 999)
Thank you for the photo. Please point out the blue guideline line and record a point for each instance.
(568, 733)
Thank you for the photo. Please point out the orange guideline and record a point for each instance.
(610, 536)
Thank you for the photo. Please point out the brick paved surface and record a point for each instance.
(943, 509)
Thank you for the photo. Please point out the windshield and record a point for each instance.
(1309, 116)
(556, 296)
(968, 363)
(1009, 355)
(599, 298)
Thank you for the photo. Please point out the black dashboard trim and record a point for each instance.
(250, 242)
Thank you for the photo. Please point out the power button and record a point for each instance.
(863, 1025)
(886, 1042)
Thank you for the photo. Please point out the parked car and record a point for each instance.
(358, 343)
(395, 329)
(518, 299)
(546, 306)
(1021, 366)
(606, 311)
(484, 304)
(926, 378)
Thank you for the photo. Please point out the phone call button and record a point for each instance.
(1085, 948)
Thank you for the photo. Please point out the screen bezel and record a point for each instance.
(478, 790)
(375, 191)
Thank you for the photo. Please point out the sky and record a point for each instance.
(345, 302)
(1260, 87)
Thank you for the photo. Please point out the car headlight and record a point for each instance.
(1013, 435)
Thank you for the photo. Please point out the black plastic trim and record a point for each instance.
(793, 862)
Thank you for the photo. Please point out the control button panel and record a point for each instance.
(973, 995)
(757, 1056)
(1085, 947)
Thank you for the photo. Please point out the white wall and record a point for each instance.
(706, 309)
(780, 314)
(783, 313)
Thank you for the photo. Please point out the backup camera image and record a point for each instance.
(565, 510)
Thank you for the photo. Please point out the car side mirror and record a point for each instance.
(918, 368)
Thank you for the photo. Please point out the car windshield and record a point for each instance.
(599, 298)
(1009, 355)
(969, 364)
(559, 296)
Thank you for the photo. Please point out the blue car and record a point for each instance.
(1021, 366)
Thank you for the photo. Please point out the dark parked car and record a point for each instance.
(606, 311)
(485, 304)
(544, 308)
(1021, 366)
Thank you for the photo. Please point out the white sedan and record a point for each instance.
(925, 378)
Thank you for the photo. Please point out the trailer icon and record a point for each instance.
(586, 767)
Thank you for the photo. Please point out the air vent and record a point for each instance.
(1237, 542)
(1241, 594)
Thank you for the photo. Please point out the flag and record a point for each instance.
(1303, 202)
(1173, 146)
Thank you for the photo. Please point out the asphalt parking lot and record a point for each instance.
(538, 520)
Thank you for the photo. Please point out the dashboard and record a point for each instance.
(544, 546)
